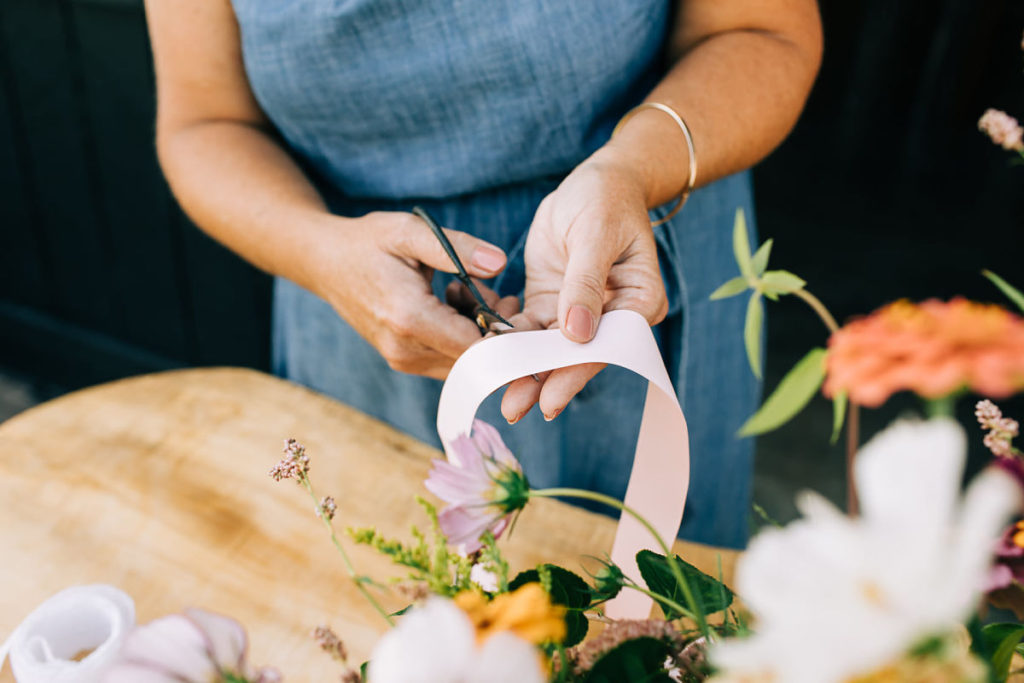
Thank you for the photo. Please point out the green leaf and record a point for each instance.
(568, 590)
(781, 282)
(639, 659)
(401, 611)
(838, 415)
(1011, 292)
(1001, 640)
(735, 286)
(741, 245)
(711, 594)
(752, 332)
(792, 394)
(760, 261)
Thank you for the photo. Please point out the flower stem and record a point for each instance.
(941, 407)
(663, 600)
(670, 556)
(344, 555)
(852, 412)
(819, 308)
(852, 443)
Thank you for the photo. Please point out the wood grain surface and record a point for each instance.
(158, 485)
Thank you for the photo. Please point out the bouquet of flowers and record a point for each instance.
(891, 594)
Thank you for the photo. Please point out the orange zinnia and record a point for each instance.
(933, 349)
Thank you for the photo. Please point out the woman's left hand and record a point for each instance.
(590, 249)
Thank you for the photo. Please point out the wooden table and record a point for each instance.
(158, 485)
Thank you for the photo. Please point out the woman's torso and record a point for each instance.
(395, 99)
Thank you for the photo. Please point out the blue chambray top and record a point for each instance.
(421, 98)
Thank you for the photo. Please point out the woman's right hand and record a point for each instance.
(376, 273)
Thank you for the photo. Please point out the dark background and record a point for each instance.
(885, 190)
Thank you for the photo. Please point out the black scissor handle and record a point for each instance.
(485, 315)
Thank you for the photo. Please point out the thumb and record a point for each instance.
(582, 296)
(416, 241)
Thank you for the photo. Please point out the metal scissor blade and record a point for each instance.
(485, 315)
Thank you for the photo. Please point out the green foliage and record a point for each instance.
(639, 659)
(565, 588)
(735, 286)
(492, 559)
(430, 562)
(710, 594)
(839, 404)
(752, 332)
(1001, 640)
(763, 515)
(759, 263)
(608, 582)
(792, 394)
(1011, 292)
(755, 276)
(776, 282)
(741, 245)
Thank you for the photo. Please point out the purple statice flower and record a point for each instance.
(483, 484)
(294, 464)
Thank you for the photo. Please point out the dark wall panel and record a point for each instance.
(48, 86)
(231, 303)
(120, 111)
(22, 260)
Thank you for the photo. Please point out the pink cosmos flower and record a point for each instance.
(193, 647)
(483, 484)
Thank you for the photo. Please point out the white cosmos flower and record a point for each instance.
(193, 647)
(484, 577)
(836, 597)
(436, 643)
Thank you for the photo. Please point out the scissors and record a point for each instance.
(484, 316)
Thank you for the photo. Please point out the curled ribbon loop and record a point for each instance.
(661, 463)
(82, 619)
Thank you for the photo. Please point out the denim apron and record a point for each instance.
(476, 109)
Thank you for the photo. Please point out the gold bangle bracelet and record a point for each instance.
(692, 180)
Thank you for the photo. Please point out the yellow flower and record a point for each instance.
(526, 612)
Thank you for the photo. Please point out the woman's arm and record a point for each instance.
(742, 72)
(238, 184)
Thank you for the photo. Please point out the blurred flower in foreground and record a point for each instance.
(527, 612)
(440, 642)
(1006, 580)
(192, 647)
(483, 484)
(910, 569)
(1004, 130)
(933, 349)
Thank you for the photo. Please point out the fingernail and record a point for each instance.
(579, 323)
(552, 416)
(515, 419)
(488, 258)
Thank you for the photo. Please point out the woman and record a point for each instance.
(301, 133)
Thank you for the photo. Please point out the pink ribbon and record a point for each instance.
(661, 464)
